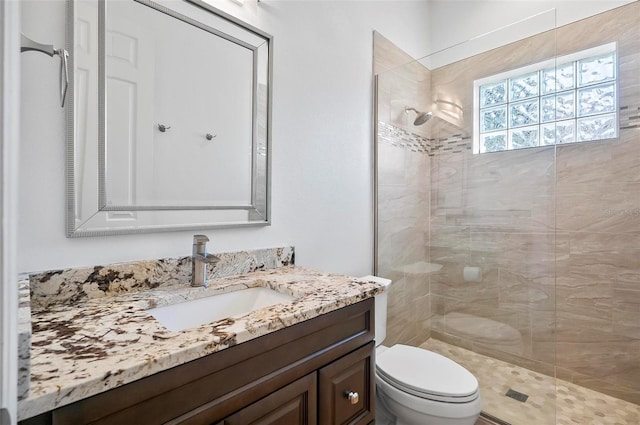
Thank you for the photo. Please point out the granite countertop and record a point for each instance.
(81, 350)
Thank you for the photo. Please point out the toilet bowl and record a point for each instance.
(418, 387)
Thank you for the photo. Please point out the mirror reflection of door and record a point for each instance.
(129, 73)
(161, 70)
(86, 107)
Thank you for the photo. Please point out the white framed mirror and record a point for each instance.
(170, 123)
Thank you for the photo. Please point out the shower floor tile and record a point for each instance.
(551, 401)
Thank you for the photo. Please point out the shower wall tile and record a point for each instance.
(628, 279)
(391, 170)
(453, 237)
(586, 295)
(626, 150)
(451, 339)
(409, 314)
(599, 207)
(449, 257)
(543, 336)
(531, 254)
(400, 326)
(403, 186)
(386, 55)
(601, 385)
(576, 327)
(419, 285)
(495, 192)
(620, 24)
(453, 285)
(394, 136)
(593, 358)
(531, 364)
(598, 192)
(421, 311)
(625, 310)
(401, 83)
(518, 290)
(628, 393)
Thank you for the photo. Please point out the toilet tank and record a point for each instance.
(381, 307)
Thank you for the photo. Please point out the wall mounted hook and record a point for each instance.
(163, 127)
(210, 136)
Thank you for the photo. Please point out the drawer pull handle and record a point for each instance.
(352, 396)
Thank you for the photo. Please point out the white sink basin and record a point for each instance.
(189, 314)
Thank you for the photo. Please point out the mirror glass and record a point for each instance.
(169, 127)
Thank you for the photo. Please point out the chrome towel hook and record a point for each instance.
(28, 44)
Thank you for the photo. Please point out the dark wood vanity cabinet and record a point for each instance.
(351, 375)
(317, 372)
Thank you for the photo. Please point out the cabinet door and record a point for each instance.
(346, 389)
(295, 404)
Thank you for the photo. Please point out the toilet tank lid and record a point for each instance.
(381, 280)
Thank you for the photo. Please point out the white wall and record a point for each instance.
(455, 21)
(9, 134)
(322, 138)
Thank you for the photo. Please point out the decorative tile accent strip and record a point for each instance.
(453, 144)
(399, 137)
(71, 286)
(629, 117)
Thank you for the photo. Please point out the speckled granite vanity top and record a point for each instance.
(83, 349)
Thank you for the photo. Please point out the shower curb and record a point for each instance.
(487, 419)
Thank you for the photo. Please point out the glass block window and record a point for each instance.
(569, 99)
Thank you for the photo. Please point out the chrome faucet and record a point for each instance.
(200, 259)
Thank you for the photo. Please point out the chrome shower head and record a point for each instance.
(421, 118)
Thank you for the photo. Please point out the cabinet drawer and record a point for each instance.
(295, 404)
(353, 373)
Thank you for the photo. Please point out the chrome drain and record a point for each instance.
(516, 395)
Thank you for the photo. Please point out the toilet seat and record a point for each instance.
(426, 374)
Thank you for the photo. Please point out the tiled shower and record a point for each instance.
(529, 256)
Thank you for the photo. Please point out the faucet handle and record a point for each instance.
(200, 239)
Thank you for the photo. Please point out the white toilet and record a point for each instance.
(417, 387)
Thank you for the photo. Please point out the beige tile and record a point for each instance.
(619, 24)
(602, 207)
(604, 386)
(581, 327)
(628, 278)
(418, 284)
(585, 294)
(387, 55)
(625, 313)
(551, 401)
(455, 237)
(531, 293)
(611, 358)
